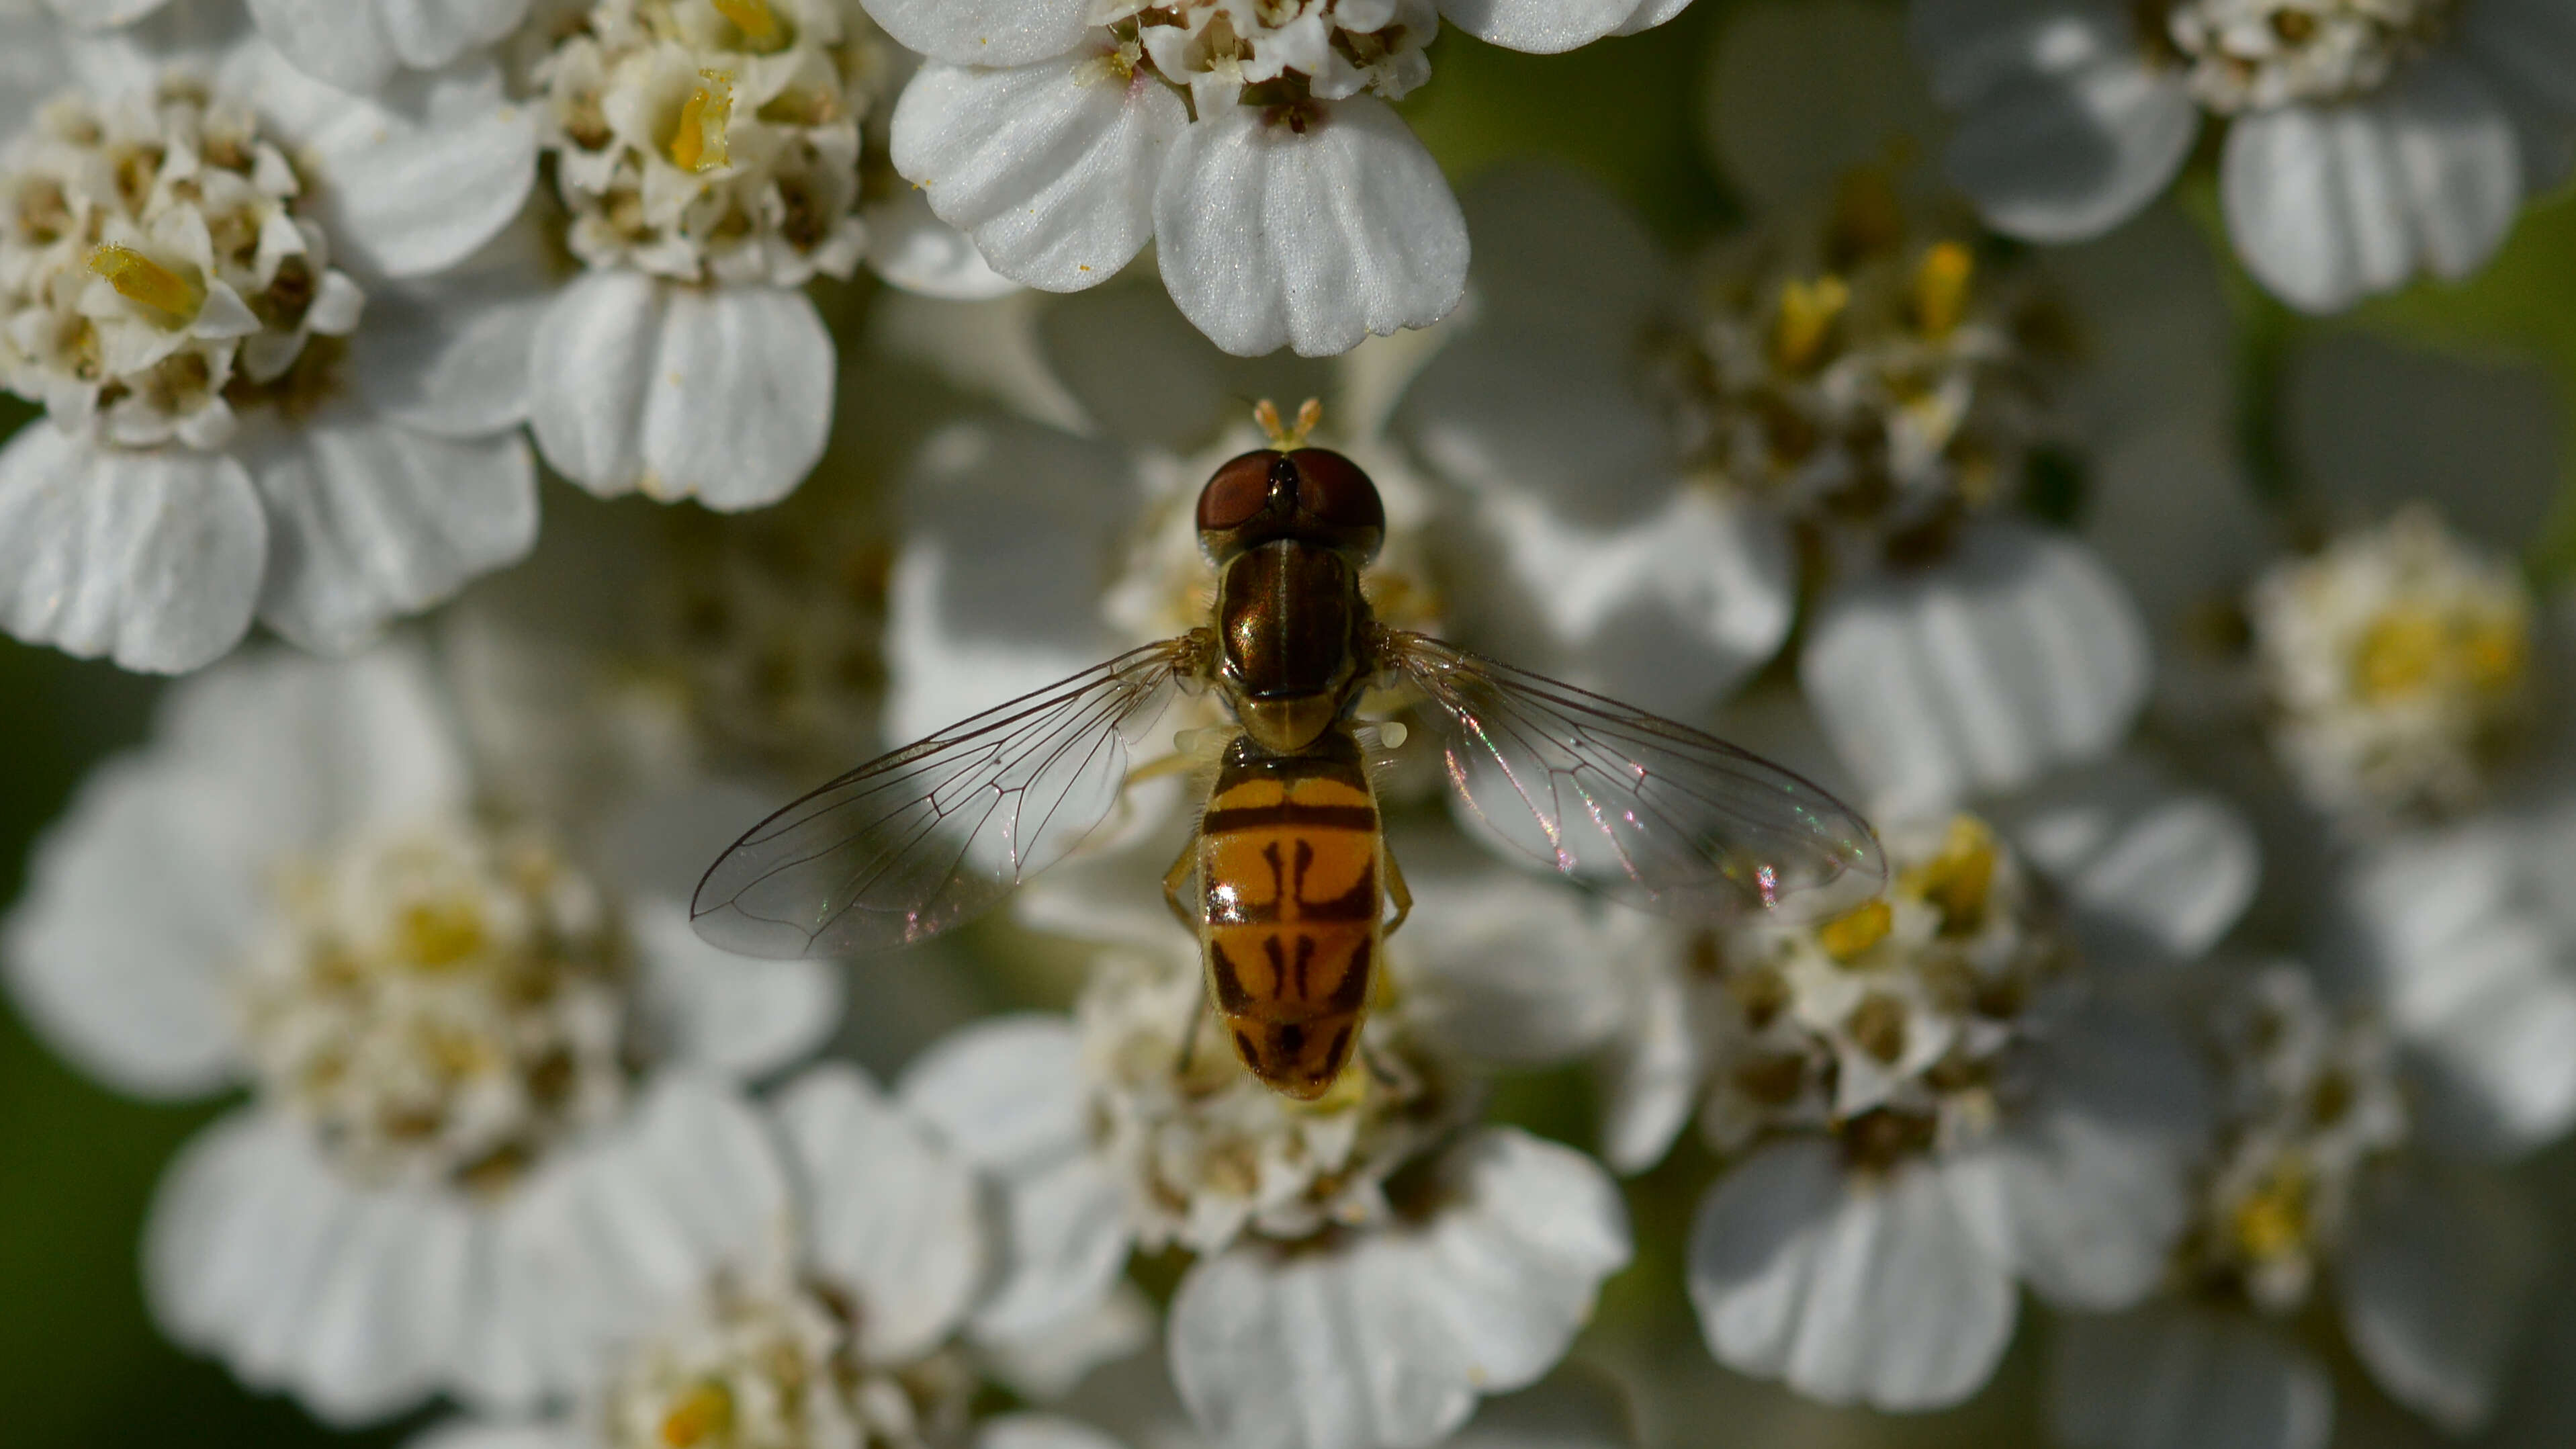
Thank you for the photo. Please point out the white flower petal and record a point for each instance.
(31, 63)
(357, 44)
(1803, 93)
(889, 1217)
(418, 178)
(1650, 1081)
(1040, 1431)
(2084, 1189)
(450, 354)
(1872, 1290)
(722, 393)
(1050, 167)
(1505, 968)
(101, 14)
(369, 522)
(1543, 27)
(912, 248)
(1050, 1363)
(2330, 204)
(1557, 248)
(1389, 1337)
(2156, 875)
(621, 1231)
(2177, 1377)
(1269, 237)
(151, 559)
(2018, 654)
(725, 1012)
(2436, 1275)
(997, 590)
(1006, 1092)
(472, 1434)
(2471, 979)
(985, 32)
(1065, 1239)
(2066, 127)
(258, 1252)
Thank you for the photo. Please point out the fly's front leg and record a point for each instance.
(1396, 892)
(1176, 880)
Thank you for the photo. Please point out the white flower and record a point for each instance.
(2321, 1165)
(355, 45)
(712, 158)
(470, 1038)
(246, 301)
(1252, 143)
(2365, 142)
(1925, 1100)
(835, 1328)
(1444, 1260)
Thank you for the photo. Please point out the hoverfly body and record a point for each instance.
(1287, 881)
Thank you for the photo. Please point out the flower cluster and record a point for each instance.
(2060, 805)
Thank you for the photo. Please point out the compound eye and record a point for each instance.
(1238, 492)
(1333, 490)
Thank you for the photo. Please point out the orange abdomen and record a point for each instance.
(1291, 871)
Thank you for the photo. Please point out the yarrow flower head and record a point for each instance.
(2396, 663)
(1250, 140)
(219, 279)
(357, 46)
(711, 157)
(463, 1027)
(2076, 113)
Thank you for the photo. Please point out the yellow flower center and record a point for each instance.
(1957, 881)
(2411, 649)
(757, 22)
(1847, 936)
(1941, 289)
(705, 1412)
(699, 142)
(2273, 1221)
(1808, 311)
(138, 278)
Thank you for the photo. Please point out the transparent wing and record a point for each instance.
(1650, 812)
(928, 837)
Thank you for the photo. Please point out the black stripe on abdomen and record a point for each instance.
(1258, 817)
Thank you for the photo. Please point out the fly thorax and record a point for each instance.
(1876, 370)
(1894, 1026)
(1207, 1152)
(2396, 669)
(779, 1367)
(715, 140)
(2251, 55)
(161, 271)
(442, 1005)
(2310, 1101)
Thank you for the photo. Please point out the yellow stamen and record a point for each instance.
(701, 1414)
(1957, 881)
(1941, 289)
(757, 22)
(1846, 936)
(1807, 314)
(138, 278)
(436, 934)
(2399, 654)
(699, 144)
(2272, 1221)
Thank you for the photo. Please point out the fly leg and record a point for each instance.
(1396, 892)
(1176, 880)
(1189, 1037)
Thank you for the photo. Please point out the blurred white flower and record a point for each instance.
(250, 304)
(1253, 144)
(1926, 1099)
(712, 157)
(1133, 1406)
(836, 1328)
(2365, 142)
(471, 1037)
(2321, 1166)
(355, 45)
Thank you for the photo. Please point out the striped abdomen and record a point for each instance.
(1291, 871)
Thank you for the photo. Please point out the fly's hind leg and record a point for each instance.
(1175, 881)
(1397, 892)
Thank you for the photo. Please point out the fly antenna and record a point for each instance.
(1310, 415)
